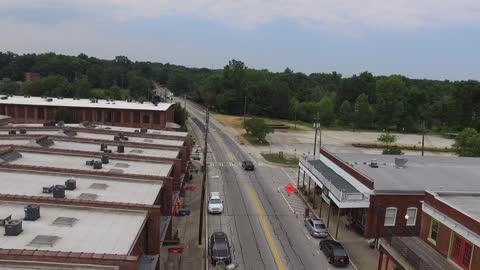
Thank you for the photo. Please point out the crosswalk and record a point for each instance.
(232, 164)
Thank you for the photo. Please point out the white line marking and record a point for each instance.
(318, 251)
(285, 199)
(288, 176)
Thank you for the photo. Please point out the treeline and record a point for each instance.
(75, 76)
(362, 101)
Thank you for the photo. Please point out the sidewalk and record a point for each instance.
(193, 256)
(361, 255)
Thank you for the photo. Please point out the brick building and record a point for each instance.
(449, 236)
(380, 193)
(109, 112)
(143, 178)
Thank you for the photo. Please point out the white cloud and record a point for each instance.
(391, 14)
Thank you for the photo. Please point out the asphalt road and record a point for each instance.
(262, 228)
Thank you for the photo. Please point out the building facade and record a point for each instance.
(108, 112)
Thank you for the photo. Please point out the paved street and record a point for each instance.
(264, 231)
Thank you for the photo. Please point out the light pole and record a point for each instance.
(204, 180)
(315, 141)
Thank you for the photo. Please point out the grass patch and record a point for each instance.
(254, 141)
(275, 158)
(403, 147)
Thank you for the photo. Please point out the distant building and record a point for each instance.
(109, 112)
(32, 77)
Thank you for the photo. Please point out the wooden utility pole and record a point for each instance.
(423, 137)
(204, 180)
(315, 141)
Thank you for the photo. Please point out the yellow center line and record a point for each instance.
(266, 229)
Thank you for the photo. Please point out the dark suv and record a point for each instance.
(334, 252)
(247, 165)
(219, 248)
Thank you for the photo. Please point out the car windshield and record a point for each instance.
(215, 201)
(319, 226)
(340, 252)
(220, 246)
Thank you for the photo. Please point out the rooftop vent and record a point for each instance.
(70, 184)
(47, 189)
(12, 132)
(13, 227)
(64, 221)
(105, 159)
(49, 99)
(4, 97)
(4, 220)
(32, 212)
(9, 156)
(60, 124)
(103, 147)
(44, 141)
(88, 196)
(98, 186)
(89, 162)
(373, 163)
(122, 165)
(70, 133)
(47, 240)
(143, 130)
(23, 131)
(400, 162)
(120, 148)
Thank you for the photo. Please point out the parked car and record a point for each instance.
(334, 252)
(247, 165)
(316, 227)
(215, 203)
(219, 248)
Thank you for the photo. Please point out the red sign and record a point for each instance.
(289, 189)
(191, 188)
(178, 250)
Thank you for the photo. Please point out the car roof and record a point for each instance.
(317, 221)
(214, 194)
(219, 236)
(247, 161)
(334, 243)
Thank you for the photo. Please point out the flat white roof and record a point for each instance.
(87, 135)
(78, 162)
(85, 103)
(95, 147)
(105, 189)
(94, 230)
(468, 203)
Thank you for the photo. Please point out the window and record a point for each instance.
(390, 216)
(433, 231)
(461, 252)
(412, 216)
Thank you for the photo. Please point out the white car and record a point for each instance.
(215, 203)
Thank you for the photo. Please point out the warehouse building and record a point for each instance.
(127, 113)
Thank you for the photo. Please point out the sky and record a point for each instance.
(432, 39)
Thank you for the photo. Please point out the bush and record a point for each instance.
(394, 150)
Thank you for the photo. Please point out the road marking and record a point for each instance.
(266, 229)
(318, 251)
(285, 199)
(288, 175)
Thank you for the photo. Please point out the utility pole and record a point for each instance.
(244, 111)
(204, 180)
(296, 116)
(315, 141)
(320, 139)
(423, 136)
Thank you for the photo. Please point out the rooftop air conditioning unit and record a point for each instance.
(12, 132)
(4, 220)
(89, 162)
(49, 99)
(97, 165)
(120, 148)
(103, 147)
(32, 212)
(105, 159)
(59, 191)
(23, 131)
(47, 189)
(5, 97)
(373, 163)
(13, 227)
(400, 162)
(70, 184)
(143, 130)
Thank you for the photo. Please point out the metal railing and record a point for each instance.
(393, 236)
(341, 195)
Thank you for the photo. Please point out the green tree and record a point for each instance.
(390, 91)
(257, 128)
(180, 114)
(9, 87)
(467, 143)
(387, 139)
(363, 114)
(81, 87)
(345, 113)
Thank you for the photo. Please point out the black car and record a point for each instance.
(219, 248)
(334, 252)
(247, 165)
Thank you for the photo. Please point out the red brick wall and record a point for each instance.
(374, 224)
(443, 238)
(123, 262)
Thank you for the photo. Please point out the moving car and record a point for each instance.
(316, 227)
(247, 165)
(334, 252)
(219, 248)
(215, 203)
